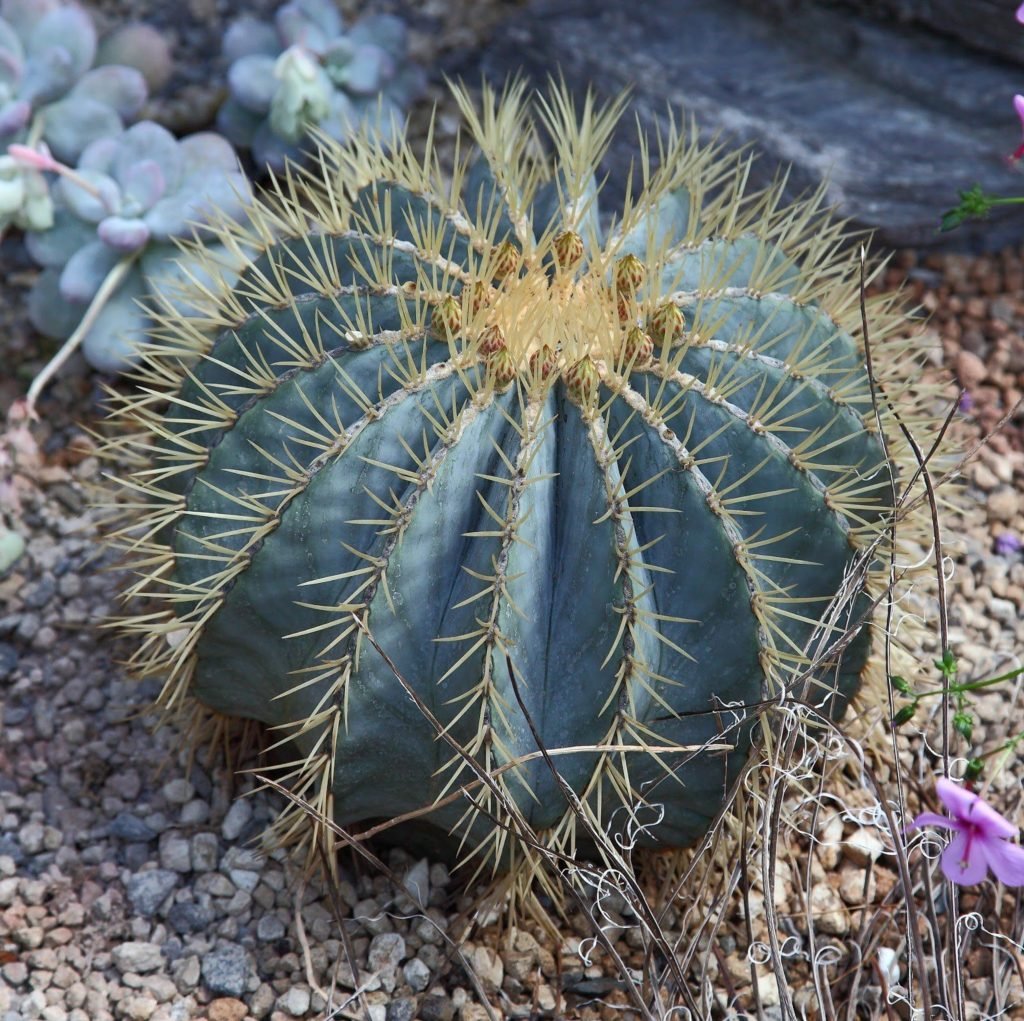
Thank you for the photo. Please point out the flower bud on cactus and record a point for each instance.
(501, 369)
(568, 248)
(491, 339)
(638, 347)
(629, 274)
(542, 362)
(506, 260)
(666, 323)
(556, 543)
(446, 319)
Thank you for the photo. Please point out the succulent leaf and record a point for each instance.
(123, 89)
(123, 234)
(62, 45)
(252, 82)
(48, 310)
(247, 36)
(113, 343)
(130, 194)
(86, 270)
(74, 123)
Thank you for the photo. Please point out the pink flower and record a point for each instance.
(1020, 14)
(982, 839)
(1018, 105)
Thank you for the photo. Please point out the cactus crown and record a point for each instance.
(424, 385)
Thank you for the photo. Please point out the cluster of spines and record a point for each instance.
(176, 440)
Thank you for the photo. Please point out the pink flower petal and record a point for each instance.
(1020, 14)
(958, 800)
(1006, 860)
(990, 822)
(962, 866)
(934, 819)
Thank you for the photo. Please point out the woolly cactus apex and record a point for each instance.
(117, 219)
(47, 90)
(306, 72)
(415, 513)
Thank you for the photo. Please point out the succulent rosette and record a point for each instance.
(131, 199)
(48, 85)
(306, 71)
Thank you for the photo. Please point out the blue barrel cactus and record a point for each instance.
(609, 485)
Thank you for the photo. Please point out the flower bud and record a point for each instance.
(501, 370)
(900, 684)
(568, 248)
(446, 319)
(904, 715)
(581, 380)
(638, 348)
(542, 362)
(973, 769)
(506, 259)
(666, 323)
(963, 724)
(629, 274)
(491, 339)
(480, 295)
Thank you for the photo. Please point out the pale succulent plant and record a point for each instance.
(24, 197)
(111, 249)
(462, 480)
(307, 71)
(49, 89)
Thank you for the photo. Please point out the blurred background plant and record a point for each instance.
(308, 71)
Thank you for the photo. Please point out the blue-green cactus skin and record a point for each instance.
(653, 556)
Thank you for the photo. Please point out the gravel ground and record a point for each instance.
(129, 888)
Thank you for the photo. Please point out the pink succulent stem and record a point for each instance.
(40, 159)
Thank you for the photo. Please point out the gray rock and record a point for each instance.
(269, 927)
(437, 1008)
(175, 852)
(226, 970)
(8, 660)
(387, 951)
(295, 1001)
(30, 836)
(416, 975)
(147, 890)
(129, 827)
(403, 1008)
(238, 815)
(178, 791)
(205, 848)
(125, 784)
(137, 956)
(189, 916)
(893, 119)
